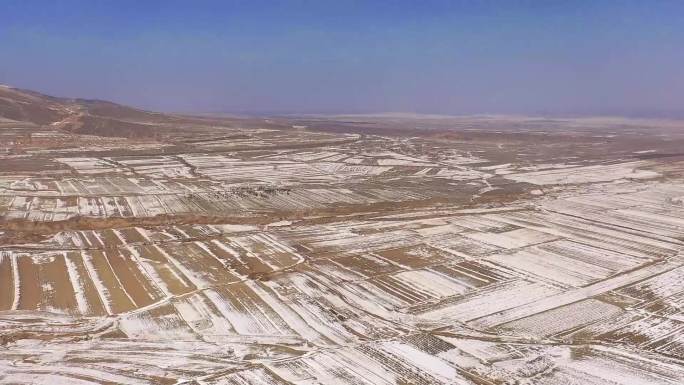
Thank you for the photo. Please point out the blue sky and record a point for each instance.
(452, 57)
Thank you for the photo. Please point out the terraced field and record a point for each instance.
(461, 253)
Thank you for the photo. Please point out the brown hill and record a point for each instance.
(82, 116)
(28, 106)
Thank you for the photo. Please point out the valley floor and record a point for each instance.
(261, 256)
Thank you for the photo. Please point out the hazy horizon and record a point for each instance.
(435, 57)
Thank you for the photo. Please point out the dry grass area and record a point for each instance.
(447, 251)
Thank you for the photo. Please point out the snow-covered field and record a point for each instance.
(362, 260)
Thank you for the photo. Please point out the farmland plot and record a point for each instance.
(255, 255)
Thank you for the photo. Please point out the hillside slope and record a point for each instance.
(82, 116)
